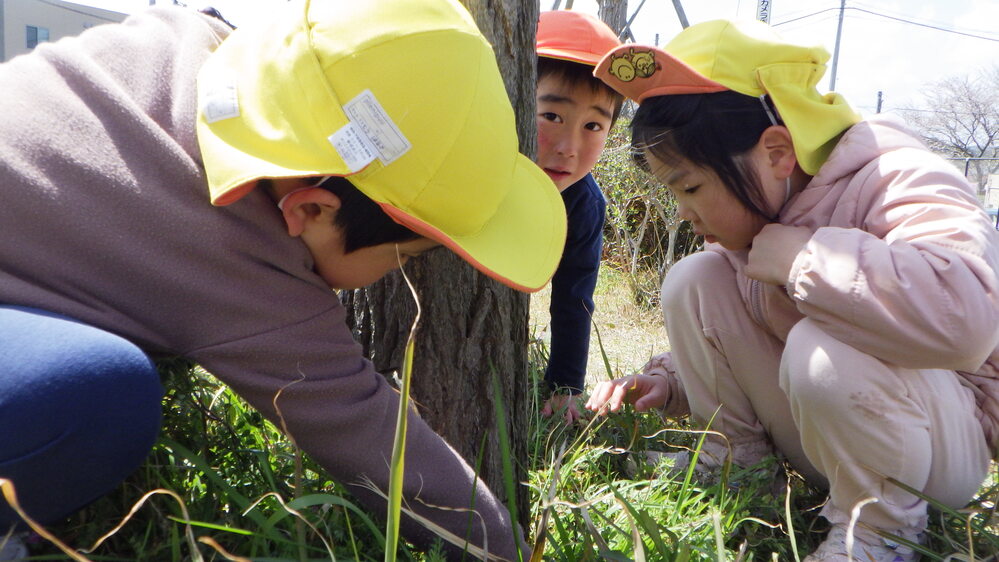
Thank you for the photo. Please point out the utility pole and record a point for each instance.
(839, 33)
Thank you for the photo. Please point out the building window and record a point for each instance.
(36, 35)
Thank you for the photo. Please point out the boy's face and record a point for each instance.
(573, 122)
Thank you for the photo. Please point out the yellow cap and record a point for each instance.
(748, 57)
(404, 98)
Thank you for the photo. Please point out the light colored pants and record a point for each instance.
(839, 416)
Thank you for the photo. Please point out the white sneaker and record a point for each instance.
(12, 549)
(867, 547)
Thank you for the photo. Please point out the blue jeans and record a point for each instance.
(80, 409)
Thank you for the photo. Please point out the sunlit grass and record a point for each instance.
(245, 492)
(604, 498)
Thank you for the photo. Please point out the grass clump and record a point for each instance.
(601, 490)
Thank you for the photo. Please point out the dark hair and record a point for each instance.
(573, 74)
(213, 12)
(363, 222)
(709, 130)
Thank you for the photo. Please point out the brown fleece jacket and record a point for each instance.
(105, 217)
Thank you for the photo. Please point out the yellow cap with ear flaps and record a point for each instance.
(748, 57)
(402, 97)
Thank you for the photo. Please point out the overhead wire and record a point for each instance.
(891, 17)
(985, 32)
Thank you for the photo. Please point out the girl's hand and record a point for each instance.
(774, 250)
(559, 403)
(644, 391)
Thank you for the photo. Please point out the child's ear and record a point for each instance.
(309, 206)
(779, 147)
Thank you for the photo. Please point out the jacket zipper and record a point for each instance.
(756, 301)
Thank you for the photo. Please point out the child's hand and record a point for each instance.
(560, 403)
(644, 391)
(773, 252)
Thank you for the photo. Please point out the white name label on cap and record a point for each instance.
(365, 112)
(221, 100)
(353, 146)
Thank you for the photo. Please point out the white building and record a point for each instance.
(25, 23)
(992, 192)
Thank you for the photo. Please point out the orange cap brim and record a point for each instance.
(532, 212)
(642, 71)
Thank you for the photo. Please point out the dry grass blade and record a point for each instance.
(719, 535)
(854, 516)
(301, 518)
(968, 529)
(299, 527)
(741, 555)
(790, 522)
(225, 553)
(704, 432)
(601, 543)
(636, 536)
(541, 532)
(188, 532)
(441, 532)
(10, 494)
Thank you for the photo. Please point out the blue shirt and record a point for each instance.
(573, 285)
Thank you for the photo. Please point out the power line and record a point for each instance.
(793, 14)
(934, 111)
(903, 20)
(925, 25)
(805, 16)
(986, 32)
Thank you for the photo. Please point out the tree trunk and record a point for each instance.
(471, 328)
(614, 13)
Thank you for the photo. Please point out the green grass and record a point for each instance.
(237, 481)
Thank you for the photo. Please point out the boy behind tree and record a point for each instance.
(575, 112)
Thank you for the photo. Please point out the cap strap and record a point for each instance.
(814, 121)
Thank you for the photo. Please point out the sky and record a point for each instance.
(878, 52)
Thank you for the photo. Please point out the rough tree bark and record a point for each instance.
(472, 328)
(614, 13)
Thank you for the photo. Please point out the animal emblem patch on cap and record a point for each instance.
(747, 57)
(634, 64)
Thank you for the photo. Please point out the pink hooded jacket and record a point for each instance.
(902, 264)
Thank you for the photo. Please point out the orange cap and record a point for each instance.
(748, 57)
(574, 36)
